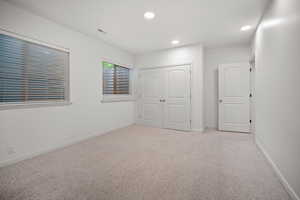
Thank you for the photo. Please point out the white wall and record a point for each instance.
(176, 56)
(277, 47)
(213, 57)
(30, 131)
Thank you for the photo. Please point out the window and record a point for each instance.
(115, 79)
(30, 72)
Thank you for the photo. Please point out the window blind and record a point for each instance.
(115, 79)
(31, 72)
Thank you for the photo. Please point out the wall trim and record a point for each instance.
(198, 130)
(64, 144)
(33, 40)
(282, 179)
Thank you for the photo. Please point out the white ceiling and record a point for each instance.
(210, 22)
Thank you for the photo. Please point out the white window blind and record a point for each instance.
(116, 79)
(31, 72)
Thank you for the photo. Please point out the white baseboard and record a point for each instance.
(282, 179)
(193, 130)
(211, 129)
(75, 140)
(198, 130)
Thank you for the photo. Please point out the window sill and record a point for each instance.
(11, 106)
(111, 98)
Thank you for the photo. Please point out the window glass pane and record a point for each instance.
(31, 72)
(116, 79)
(108, 78)
(122, 80)
(11, 69)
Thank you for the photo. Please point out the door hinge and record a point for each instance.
(250, 95)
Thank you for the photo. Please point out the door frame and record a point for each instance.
(190, 64)
(252, 63)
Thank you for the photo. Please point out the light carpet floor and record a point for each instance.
(137, 163)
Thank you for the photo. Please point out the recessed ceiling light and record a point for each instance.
(175, 42)
(246, 28)
(149, 15)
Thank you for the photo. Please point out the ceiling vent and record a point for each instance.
(101, 31)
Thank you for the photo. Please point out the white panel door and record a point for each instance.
(234, 100)
(177, 98)
(164, 97)
(150, 107)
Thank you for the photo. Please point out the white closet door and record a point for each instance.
(164, 98)
(234, 100)
(150, 107)
(177, 98)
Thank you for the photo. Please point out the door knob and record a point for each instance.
(220, 100)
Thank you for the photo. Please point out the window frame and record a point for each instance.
(108, 98)
(46, 103)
